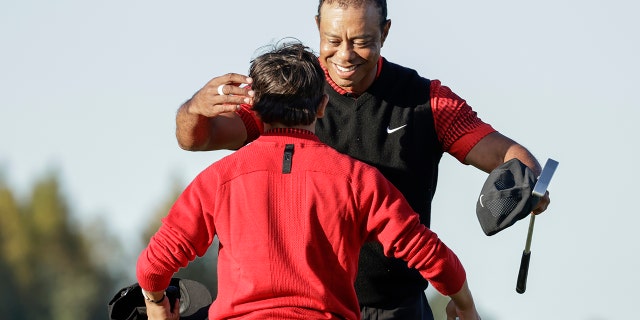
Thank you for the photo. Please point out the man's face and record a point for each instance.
(350, 42)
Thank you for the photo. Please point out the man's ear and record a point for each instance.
(385, 31)
(322, 106)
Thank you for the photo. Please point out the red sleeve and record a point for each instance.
(251, 122)
(397, 227)
(183, 235)
(457, 125)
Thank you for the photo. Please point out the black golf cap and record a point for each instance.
(506, 197)
(195, 299)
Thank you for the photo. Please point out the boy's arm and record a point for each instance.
(462, 305)
(397, 227)
(185, 233)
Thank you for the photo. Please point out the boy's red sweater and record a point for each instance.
(289, 242)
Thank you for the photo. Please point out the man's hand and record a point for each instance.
(207, 121)
(209, 102)
(496, 149)
(542, 204)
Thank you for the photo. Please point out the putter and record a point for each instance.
(539, 191)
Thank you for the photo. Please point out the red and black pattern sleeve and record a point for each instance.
(458, 127)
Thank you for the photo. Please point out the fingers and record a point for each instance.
(451, 311)
(221, 95)
(244, 93)
(231, 78)
(543, 204)
(454, 313)
(176, 310)
(231, 84)
(231, 88)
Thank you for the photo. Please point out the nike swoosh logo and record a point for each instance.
(480, 200)
(389, 130)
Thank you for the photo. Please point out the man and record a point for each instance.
(378, 112)
(291, 214)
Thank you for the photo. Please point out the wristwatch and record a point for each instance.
(144, 294)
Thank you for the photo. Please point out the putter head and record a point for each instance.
(545, 178)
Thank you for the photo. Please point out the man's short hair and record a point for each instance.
(380, 4)
(288, 82)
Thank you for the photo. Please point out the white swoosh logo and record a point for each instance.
(480, 200)
(389, 130)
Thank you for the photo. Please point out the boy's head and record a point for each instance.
(288, 83)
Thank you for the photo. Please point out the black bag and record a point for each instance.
(195, 299)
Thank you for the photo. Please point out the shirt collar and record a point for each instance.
(292, 132)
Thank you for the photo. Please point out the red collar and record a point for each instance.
(292, 132)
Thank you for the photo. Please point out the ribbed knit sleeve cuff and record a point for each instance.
(464, 144)
(151, 277)
(451, 281)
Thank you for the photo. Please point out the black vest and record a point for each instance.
(391, 127)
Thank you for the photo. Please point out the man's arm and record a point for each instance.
(196, 132)
(496, 149)
(208, 120)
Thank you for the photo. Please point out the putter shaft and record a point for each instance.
(532, 221)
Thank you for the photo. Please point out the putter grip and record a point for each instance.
(521, 286)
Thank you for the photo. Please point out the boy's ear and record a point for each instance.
(322, 106)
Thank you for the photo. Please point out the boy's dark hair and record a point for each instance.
(380, 4)
(288, 82)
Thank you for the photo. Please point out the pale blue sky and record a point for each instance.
(91, 88)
